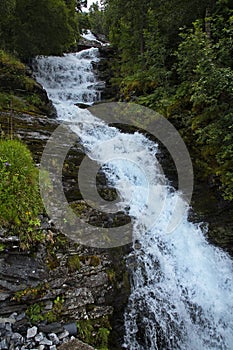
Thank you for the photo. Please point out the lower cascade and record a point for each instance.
(181, 286)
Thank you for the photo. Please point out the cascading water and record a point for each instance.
(68, 80)
(182, 287)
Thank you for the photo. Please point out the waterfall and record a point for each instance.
(181, 286)
(69, 80)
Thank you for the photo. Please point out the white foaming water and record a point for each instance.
(90, 36)
(181, 286)
(68, 80)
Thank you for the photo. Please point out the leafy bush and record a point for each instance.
(20, 201)
(95, 332)
(37, 313)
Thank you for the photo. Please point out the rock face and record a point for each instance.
(59, 280)
(104, 69)
(75, 345)
(87, 44)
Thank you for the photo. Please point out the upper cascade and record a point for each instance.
(69, 80)
(88, 39)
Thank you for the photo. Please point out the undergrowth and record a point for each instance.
(20, 201)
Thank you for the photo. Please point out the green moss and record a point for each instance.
(30, 103)
(73, 263)
(2, 247)
(111, 275)
(126, 283)
(79, 207)
(85, 331)
(56, 243)
(95, 260)
(11, 63)
(92, 260)
(52, 260)
(95, 332)
(61, 241)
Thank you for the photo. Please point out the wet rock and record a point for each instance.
(21, 326)
(51, 328)
(8, 327)
(7, 320)
(17, 338)
(63, 335)
(41, 347)
(4, 296)
(20, 316)
(39, 337)
(46, 341)
(30, 129)
(4, 345)
(100, 85)
(31, 332)
(71, 328)
(52, 347)
(75, 345)
(82, 105)
(54, 338)
(87, 44)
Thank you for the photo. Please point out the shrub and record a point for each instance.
(20, 201)
(95, 332)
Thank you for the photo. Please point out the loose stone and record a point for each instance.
(4, 345)
(53, 347)
(31, 332)
(39, 337)
(46, 341)
(63, 335)
(54, 338)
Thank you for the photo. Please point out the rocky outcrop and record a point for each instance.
(59, 280)
(87, 44)
(104, 69)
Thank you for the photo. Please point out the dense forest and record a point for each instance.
(174, 57)
(44, 27)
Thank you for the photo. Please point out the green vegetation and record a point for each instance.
(36, 312)
(44, 27)
(73, 263)
(34, 27)
(20, 201)
(95, 260)
(96, 19)
(95, 332)
(18, 92)
(111, 275)
(177, 58)
(31, 293)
